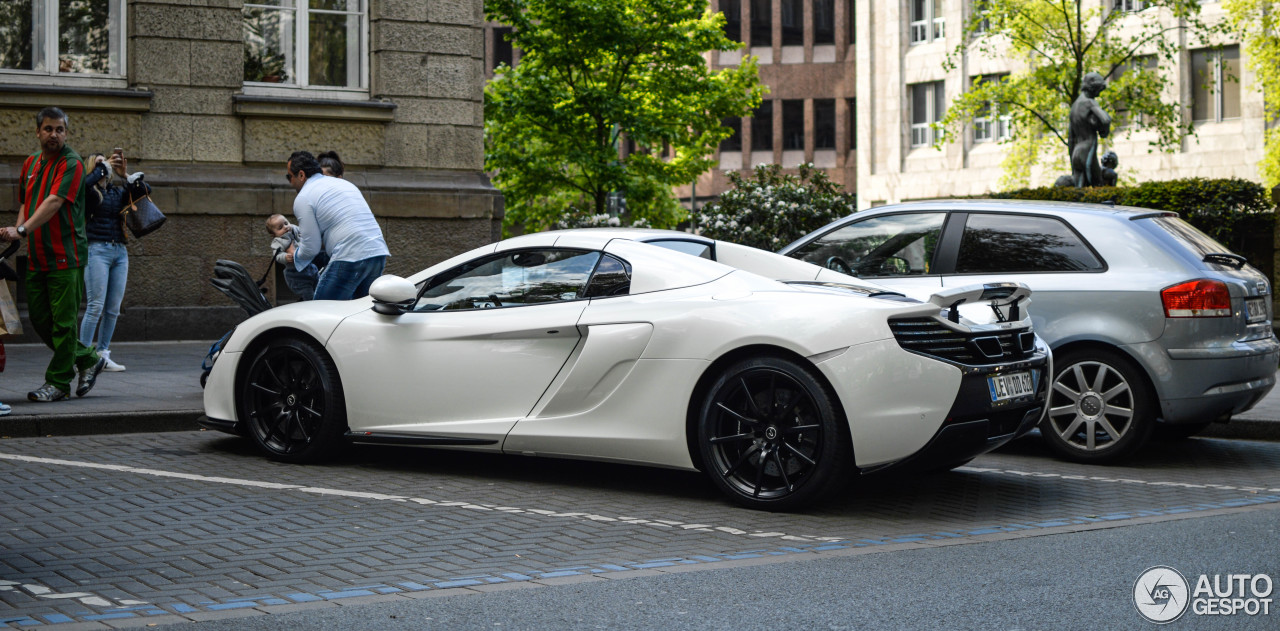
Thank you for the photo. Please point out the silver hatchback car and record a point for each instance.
(1150, 320)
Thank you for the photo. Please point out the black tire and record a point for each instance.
(291, 402)
(770, 437)
(1100, 407)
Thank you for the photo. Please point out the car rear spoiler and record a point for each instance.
(1010, 295)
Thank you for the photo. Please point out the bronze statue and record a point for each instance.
(1088, 122)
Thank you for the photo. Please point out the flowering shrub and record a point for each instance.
(603, 220)
(773, 209)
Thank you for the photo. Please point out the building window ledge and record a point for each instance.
(19, 95)
(288, 107)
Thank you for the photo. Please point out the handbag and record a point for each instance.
(142, 216)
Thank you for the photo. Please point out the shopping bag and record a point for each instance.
(10, 322)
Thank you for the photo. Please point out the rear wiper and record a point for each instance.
(1223, 258)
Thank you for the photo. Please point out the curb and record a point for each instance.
(87, 423)
(38, 425)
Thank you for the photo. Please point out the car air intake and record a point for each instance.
(928, 336)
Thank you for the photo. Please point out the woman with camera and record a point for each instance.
(108, 190)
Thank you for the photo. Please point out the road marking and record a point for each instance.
(465, 505)
(1095, 478)
(42, 591)
(635, 521)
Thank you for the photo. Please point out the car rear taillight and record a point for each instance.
(1197, 299)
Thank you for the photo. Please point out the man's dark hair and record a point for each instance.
(331, 160)
(303, 161)
(52, 112)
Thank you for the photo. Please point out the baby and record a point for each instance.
(284, 240)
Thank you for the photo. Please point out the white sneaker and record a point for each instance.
(110, 366)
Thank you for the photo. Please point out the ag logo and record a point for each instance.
(1161, 594)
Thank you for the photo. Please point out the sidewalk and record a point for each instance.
(160, 391)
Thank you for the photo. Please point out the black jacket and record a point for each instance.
(103, 221)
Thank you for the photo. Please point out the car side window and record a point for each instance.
(889, 245)
(995, 243)
(694, 248)
(612, 278)
(510, 279)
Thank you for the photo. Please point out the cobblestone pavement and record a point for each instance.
(137, 529)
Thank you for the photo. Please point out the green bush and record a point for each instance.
(1238, 213)
(772, 209)
(1214, 206)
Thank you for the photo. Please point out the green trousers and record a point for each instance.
(53, 305)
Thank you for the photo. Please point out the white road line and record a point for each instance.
(656, 523)
(1094, 478)
(42, 591)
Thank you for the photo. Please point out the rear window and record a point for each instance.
(1189, 236)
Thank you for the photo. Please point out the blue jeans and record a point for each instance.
(344, 280)
(104, 280)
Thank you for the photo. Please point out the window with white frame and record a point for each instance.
(928, 104)
(1131, 6)
(927, 23)
(981, 9)
(306, 43)
(1123, 117)
(62, 37)
(991, 122)
(1215, 85)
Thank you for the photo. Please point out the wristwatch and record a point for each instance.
(22, 231)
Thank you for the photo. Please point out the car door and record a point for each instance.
(480, 346)
(896, 250)
(1042, 251)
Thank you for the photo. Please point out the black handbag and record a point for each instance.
(141, 216)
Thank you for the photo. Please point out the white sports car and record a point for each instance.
(778, 378)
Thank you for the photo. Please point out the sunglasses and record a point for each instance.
(289, 176)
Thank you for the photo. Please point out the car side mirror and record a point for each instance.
(392, 295)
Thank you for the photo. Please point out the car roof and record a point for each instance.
(1014, 206)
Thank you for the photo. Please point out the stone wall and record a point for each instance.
(214, 149)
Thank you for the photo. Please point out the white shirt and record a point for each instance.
(333, 216)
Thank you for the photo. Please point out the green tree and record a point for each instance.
(1257, 23)
(593, 74)
(1055, 43)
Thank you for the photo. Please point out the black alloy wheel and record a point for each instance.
(1100, 407)
(291, 400)
(770, 437)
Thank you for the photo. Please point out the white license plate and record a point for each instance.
(1255, 309)
(1010, 386)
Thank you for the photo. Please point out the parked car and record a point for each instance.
(633, 346)
(1150, 320)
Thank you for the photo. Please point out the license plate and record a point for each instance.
(1012, 385)
(1255, 309)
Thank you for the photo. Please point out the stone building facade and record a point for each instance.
(209, 97)
(901, 46)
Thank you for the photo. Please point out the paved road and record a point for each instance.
(1012, 584)
(170, 527)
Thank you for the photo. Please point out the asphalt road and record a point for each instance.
(1078, 580)
(152, 529)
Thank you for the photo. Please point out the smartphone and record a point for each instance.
(117, 151)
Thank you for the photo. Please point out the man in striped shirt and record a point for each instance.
(51, 218)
